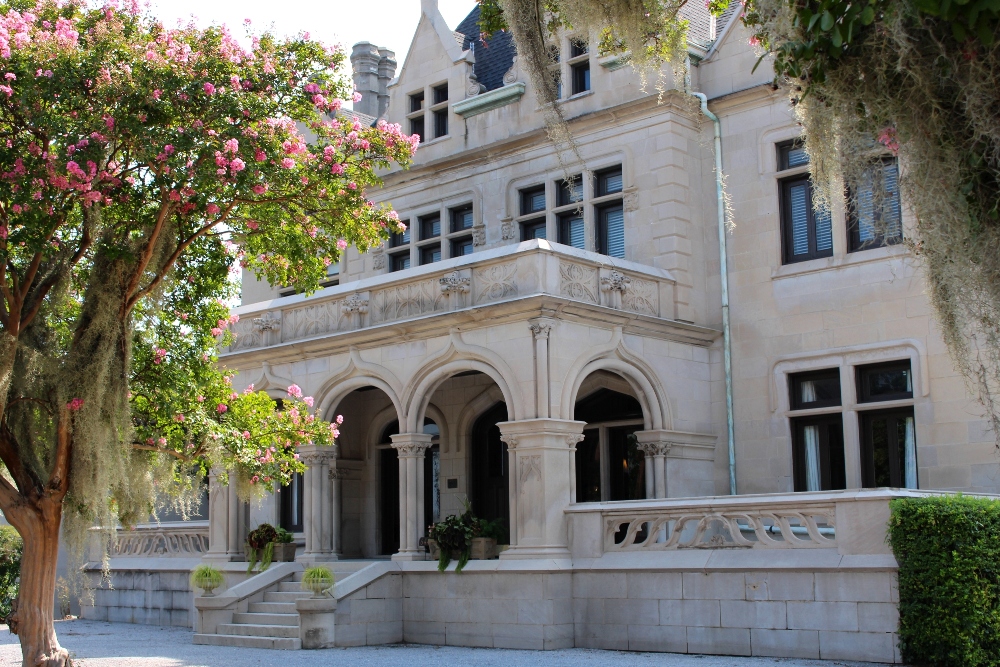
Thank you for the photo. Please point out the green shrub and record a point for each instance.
(11, 547)
(948, 549)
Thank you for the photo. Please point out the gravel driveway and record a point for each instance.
(95, 644)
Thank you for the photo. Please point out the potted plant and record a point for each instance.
(453, 538)
(284, 547)
(318, 580)
(486, 536)
(207, 578)
(260, 546)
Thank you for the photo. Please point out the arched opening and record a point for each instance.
(609, 464)
(490, 480)
(388, 484)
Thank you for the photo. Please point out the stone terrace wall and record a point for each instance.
(143, 593)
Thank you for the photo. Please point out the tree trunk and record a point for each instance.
(38, 524)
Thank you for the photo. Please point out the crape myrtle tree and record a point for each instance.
(868, 80)
(138, 165)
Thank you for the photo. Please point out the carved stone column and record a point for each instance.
(411, 448)
(218, 518)
(656, 449)
(317, 517)
(542, 453)
(336, 505)
(540, 329)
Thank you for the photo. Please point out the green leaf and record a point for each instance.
(868, 15)
(827, 21)
(835, 38)
(985, 30)
(958, 31)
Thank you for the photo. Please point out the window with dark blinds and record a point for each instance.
(611, 235)
(808, 234)
(873, 221)
(571, 231)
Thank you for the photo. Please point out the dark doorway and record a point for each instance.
(489, 486)
(389, 483)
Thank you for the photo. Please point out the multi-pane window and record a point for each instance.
(806, 233)
(886, 439)
(586, 213)
(579, 66)
(434, 236)
(332, 275)
(437, 122)
(430, 230)
(416, 115)
(290, 501)
(399, 242)
(817, 440)
(874, 216)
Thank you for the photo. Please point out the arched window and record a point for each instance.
(609, 465)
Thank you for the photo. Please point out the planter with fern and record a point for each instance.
(266, 544)
(464, 538)
(207, 578)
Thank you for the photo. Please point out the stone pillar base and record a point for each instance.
(316, 621)
(410, 555)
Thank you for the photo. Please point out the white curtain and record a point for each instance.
(811, 436)
(808, 388)
(909, 457)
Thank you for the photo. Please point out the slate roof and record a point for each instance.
(493, 58)
(496, 56)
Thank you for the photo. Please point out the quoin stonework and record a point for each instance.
(548, 342)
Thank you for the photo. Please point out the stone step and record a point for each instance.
(246, 641)
(272, 608)
(285, 596)
(247, 629)
(254, 618)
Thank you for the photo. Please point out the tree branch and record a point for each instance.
(27, 482)
(181, 247)
(59, 479)
(147, 253)
(9, 497)
(160, 450)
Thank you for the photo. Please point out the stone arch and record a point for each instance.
(276, 386)
(434, 413)
(616, 358)
(471, 412)
(356, 374)
(458, 357)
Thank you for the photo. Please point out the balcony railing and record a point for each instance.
(188, 539)
(531, 269)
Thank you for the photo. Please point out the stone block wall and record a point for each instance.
(841, 614)
(141, 595)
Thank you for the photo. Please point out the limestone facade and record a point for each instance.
(485, 359)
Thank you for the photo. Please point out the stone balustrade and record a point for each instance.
(534, 269)
(187, 539)
(849, 522)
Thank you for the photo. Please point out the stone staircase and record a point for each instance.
(273, 622)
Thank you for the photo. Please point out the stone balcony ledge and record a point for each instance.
(510, 283)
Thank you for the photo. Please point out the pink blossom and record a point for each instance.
(232, 145)
(212, 209)
(249, 389)
(260, 155)
(75, 404)
(162, 442)
(259, 189)
(157, 93)
(209, 88)
(246, 435)
(341, 244)
(216, 331)
(201, 399)
(237, 165)
(295, 391)
(357, 96)
(221, 407)
(340, 419)
(337, 169)
(308, 400)
(288, 163)
(179, 418)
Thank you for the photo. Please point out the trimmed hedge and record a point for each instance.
(10, 568)
(948, 549)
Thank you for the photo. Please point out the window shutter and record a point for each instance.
(614, 220)
(799, 196)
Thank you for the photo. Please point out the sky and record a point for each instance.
(388, 23)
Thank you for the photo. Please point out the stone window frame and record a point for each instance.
(605, 452)
(590, 204)
(564, 67)
(846, 360)
(446, 238)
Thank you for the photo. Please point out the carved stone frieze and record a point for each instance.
(496, 282)
(540, 329)
(615, 282)
(631, 199)
(531, 466)
(655, 448)
(186, 542)
(510, 76)
(640, 297)
(378, 259)
(578, 282)
(314, 320)
(354, 304)
(407, 300)
(410, 449)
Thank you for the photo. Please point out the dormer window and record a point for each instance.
(440, 110)
(579, 66)
(416, 115)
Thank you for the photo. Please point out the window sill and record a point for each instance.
(433, 141)
(578, 96)
(839, 262)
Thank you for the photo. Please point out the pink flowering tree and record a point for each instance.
(138, 166)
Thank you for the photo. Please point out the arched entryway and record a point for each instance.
(609, 463)
(489, 486)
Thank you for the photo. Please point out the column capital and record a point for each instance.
(540, 328)
(411, 444)
(655, 448)
(336, 473)
(541, 433)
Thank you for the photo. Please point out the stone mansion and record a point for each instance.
(687, 456)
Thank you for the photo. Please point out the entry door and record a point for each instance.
(490, 490)
(389, 497)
